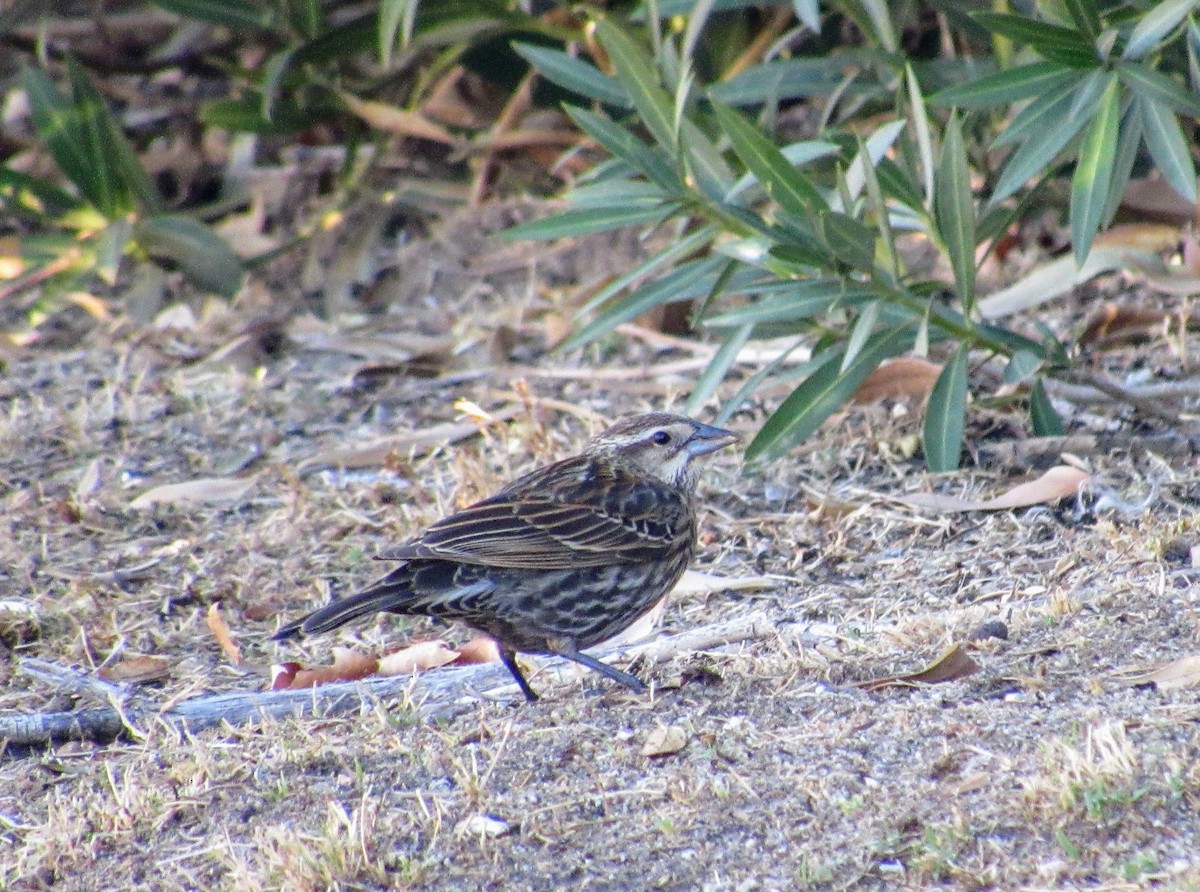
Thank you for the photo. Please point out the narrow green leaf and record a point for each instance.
(718, 367)
(1151, 84)
(57, 122)
(1154, 25)
(1093, 171)
(588, 220)
(1168, 147)
(792, 302)
(200, 253)
(954, 211)
(1039, 150)
(1046, 421)
(847, 239)
(1023, 364)
(945, 418)
(272, 77)
(1054, 42)
(1083, 13)
(223, 13)
(920, 119)
(685, 247)
(1005, 87)
(779, 179)
(34, 198)
(823, 392)
(685, 282)
(783, 79)
(636, 72)
(708, 169)
(864, 327)
(650, 160)
(395, 17)
(574, 74)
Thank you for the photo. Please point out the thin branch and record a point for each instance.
(438, 694)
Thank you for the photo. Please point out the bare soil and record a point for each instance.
(1045, 769)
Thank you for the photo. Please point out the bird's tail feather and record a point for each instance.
(376, 599)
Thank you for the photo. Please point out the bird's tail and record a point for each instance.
(383, 596)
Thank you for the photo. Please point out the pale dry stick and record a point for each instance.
(440, 694)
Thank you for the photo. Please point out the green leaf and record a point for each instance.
(864, 327)
(1048, 108)
(1039, 150)
(1150, 84)
(395, 16)
(574, 74)
(685, 247)
(954, 211)
(223, 13)
(34, 198)
(636, 72)
(60, 125)
(1168, 147)
(779, 179)
(245, 115)
(809, 14)
(1054, 42)
(1083, 13)
(650, 160)
(705, 164)
(1093, 171)
(920, 118)
(1154, 25)
(1046, 421)
(588, 220)
(792, 302)
(848, 240)
(945, 418)
(771, 82)
(1005, 87)
(685, 282)
(823, 392)
(718, 367)
(200, 253)
(1023, 364)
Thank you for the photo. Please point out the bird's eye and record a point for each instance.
(661, 438)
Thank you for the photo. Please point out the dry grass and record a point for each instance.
(1042, 771)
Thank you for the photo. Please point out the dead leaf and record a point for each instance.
(1057, 483)
(1182, 673)
(399, 121)
(416, 658)
(478, 650)
(908, 376)
(348, 665)
(1154, 197)
(137, 670)
(220, 629)
(664, 741)
(203, 491)
(1111, 324)
(375, 453)
(953, 663)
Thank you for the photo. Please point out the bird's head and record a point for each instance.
(661, 445)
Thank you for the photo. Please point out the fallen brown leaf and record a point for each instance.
(908, 376)
(664, 741)
(1057, 483)
(953, 663)
(220, 629)
(205, 490)
(477, 650)
(416, 658)
(348, 665)
(137, 670)
(1182, 673)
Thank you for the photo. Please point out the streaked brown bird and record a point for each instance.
(562, 558)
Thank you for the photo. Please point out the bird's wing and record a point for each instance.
(631, 522)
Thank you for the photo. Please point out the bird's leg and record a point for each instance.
(509, 658)
(566, 649)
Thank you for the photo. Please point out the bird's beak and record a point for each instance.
(708, 439)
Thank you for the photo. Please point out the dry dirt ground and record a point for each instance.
(756, 765)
